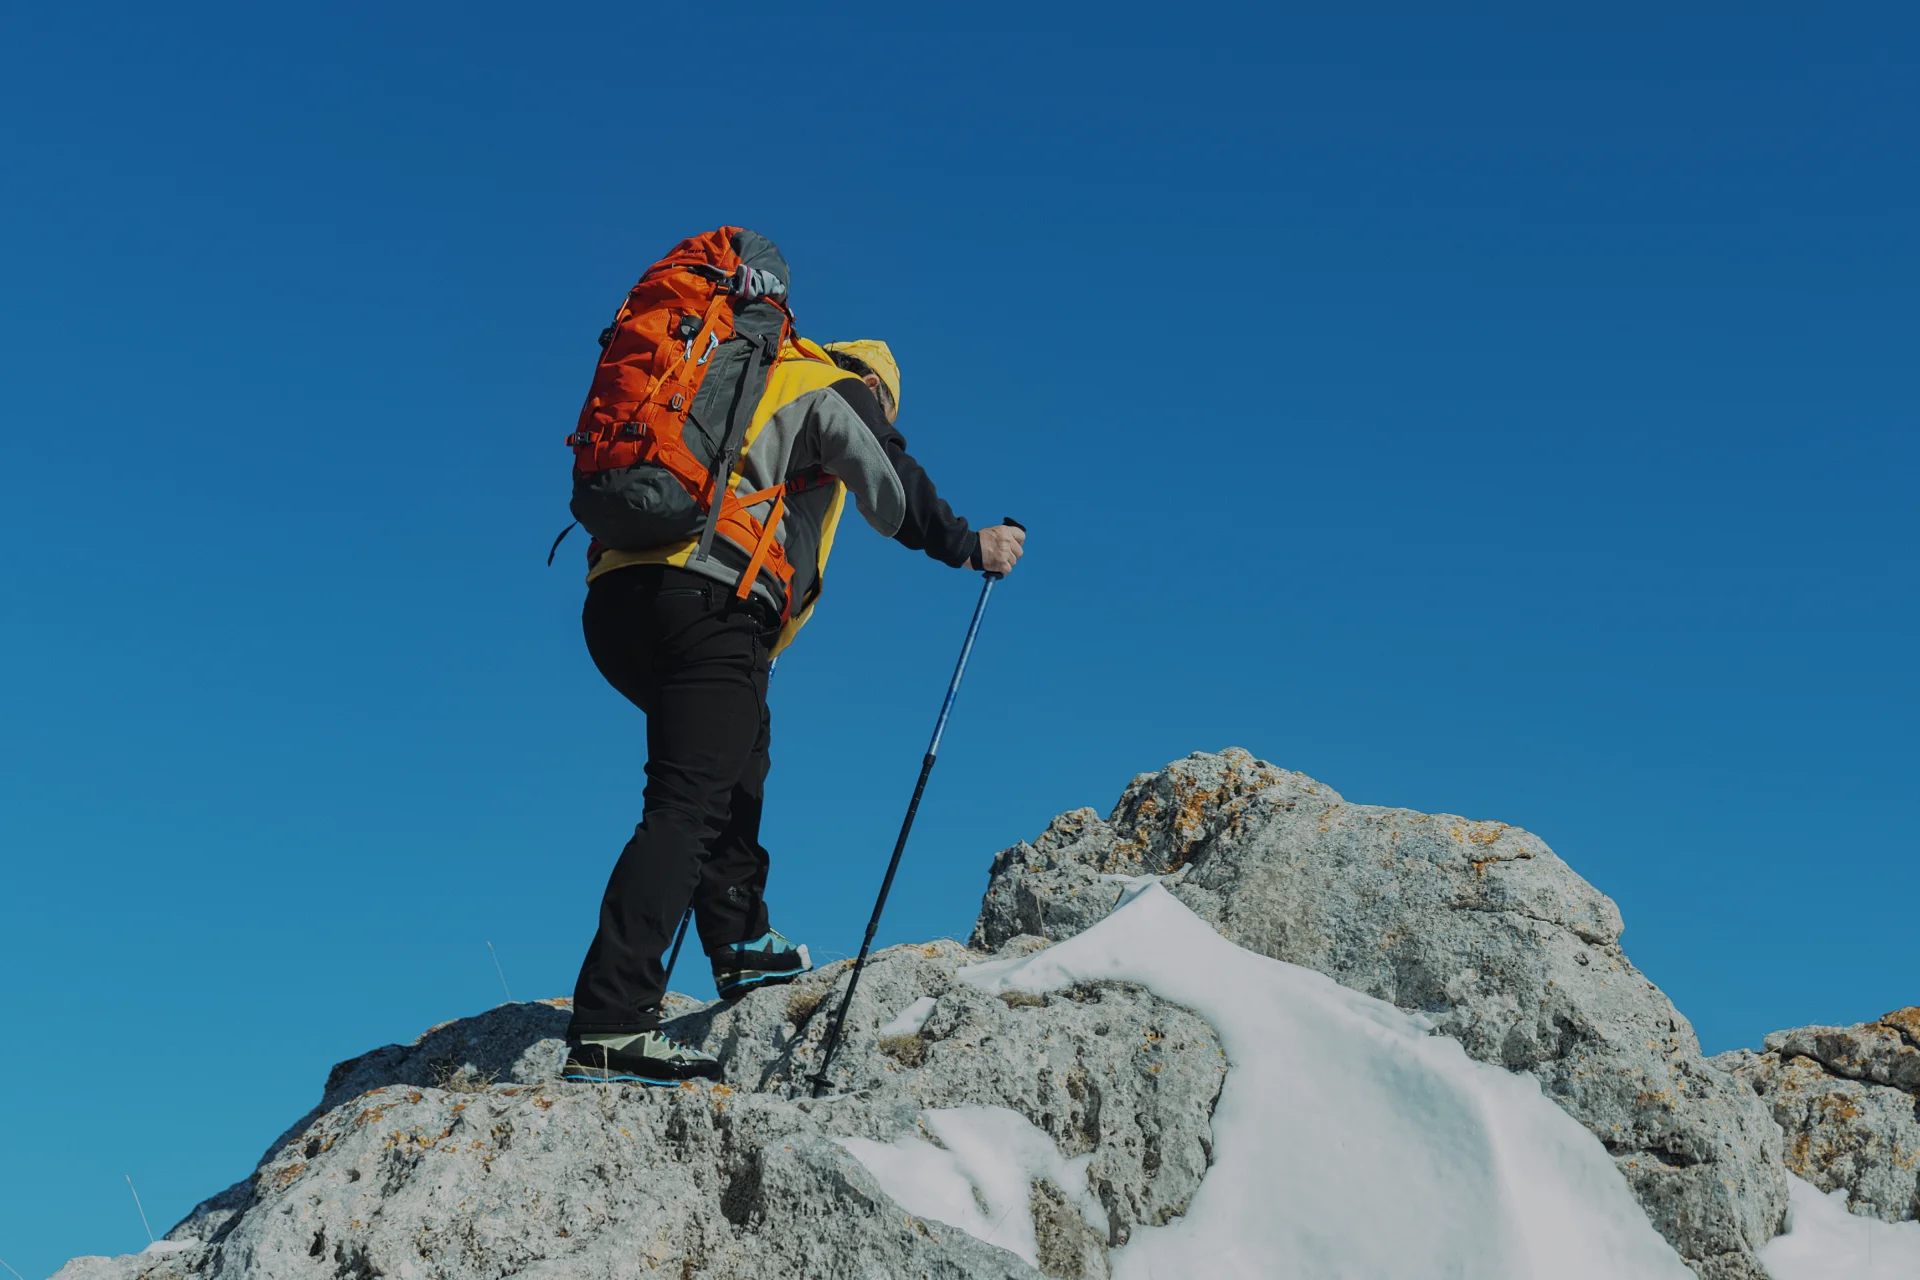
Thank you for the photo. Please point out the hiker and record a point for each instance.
(689, 640)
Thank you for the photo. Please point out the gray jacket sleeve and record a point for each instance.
(849, 451)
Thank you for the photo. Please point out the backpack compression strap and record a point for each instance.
(779, 495)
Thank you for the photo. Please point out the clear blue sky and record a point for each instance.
(1509, 415)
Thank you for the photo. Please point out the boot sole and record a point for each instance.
(624, 1079)
(734, 991)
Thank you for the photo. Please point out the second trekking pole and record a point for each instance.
(819, 1078)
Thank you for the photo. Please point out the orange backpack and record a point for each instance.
(684, 366)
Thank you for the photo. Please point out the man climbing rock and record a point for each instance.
(688, 639)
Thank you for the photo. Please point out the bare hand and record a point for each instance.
(1001, 548)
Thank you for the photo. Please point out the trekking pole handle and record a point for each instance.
(1007, 520)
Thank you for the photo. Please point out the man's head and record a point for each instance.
(871, 359)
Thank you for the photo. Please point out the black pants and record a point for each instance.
(683, 650)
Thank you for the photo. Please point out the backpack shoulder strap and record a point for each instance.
(739, 414)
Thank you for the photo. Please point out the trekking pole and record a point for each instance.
(819, 1078)
(678, 938)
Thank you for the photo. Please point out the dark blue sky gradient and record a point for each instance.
(1500, 415)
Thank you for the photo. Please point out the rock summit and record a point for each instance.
(995, 1129)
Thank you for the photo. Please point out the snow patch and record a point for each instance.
(980, 1179)
(910, 1019)
(1347, 1141)
(1134, 887)
(1825, 1242)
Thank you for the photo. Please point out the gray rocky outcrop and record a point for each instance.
(462, 1155)
(512, 1043)
(1478, 925)
(1848, 1100)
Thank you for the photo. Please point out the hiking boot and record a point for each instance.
(652, 1057)
(766, 961)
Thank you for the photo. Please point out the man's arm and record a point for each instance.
(929, 524)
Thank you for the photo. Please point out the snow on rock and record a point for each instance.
(981, 1176)
(1476, 925)
(1347, 1141)
(1825, 1241)
(910, 1019)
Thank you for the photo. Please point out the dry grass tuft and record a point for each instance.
(907, 1050)
(463, 1079)
(803, 1000)
(1023, 1000)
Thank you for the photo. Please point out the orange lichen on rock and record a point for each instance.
(1906, 1022)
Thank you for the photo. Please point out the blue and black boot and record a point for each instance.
(765, 962)
(649, 1057)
